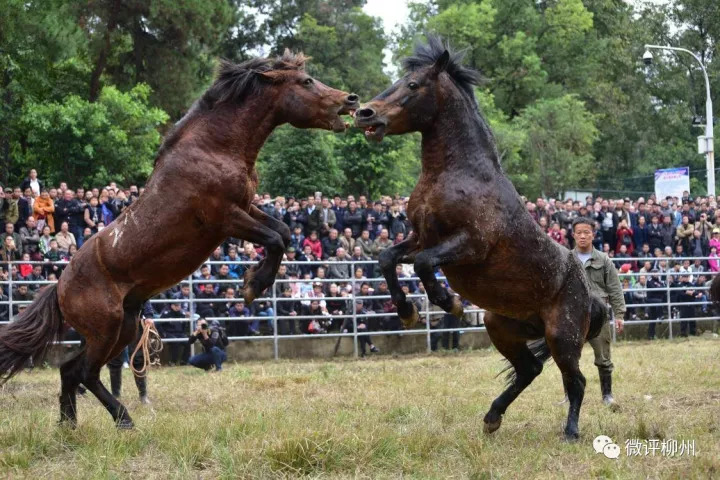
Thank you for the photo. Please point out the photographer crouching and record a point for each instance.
(214, 340)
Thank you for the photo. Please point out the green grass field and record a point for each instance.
(409, 417)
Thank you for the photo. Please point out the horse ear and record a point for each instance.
(271, 76)
(442, 62)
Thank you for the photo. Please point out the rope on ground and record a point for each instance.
(151, 344)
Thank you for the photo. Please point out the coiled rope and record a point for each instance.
(151, 344)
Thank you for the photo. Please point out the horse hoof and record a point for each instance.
(248, 295)
(412, 320)
(572, 436)
(490, 427)
(249, 290)
(457, 308)
(125, 424)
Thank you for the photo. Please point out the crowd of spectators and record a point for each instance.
(649, 236)
(653, 242)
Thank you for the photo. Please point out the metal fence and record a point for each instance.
(431, 318)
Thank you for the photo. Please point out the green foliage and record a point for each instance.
(467, 26)
(386, 168)
(114, 138)
(348, 54)
(60, 57)
(299, 162)
(168, 44)
(559, 136)
(509, 136)
(531, 53)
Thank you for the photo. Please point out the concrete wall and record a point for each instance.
(318, 346)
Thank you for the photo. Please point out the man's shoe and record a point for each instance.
(374, 349)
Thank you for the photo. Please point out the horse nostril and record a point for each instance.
(352, 98)
(365, 113)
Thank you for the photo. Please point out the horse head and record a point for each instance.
(298, 98)
(412, 103)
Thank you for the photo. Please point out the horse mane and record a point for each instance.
(427, 54)
(465, 78)
(233, 84)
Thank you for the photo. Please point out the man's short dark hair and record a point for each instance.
(583, 221)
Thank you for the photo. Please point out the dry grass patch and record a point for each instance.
(412, 417)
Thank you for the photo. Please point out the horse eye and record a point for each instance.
(307, 81)
(413, 86)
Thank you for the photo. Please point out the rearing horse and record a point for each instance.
(199, 193)
(469, 220)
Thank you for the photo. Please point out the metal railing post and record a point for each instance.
(275, 323)
(669, 304)
(10, 292)
(191, 301)
(428, 334)
(354, 313)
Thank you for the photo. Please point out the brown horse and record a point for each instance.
(199, 193)
(469, 220)
(715, 292)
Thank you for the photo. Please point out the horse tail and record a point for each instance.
(31, 334)
(715, 291)
(599, 314)
(540, 350)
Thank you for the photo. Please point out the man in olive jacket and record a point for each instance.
(604, 281)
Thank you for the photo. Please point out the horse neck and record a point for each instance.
(459, 139)
(242, 130)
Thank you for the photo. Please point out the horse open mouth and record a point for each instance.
(375, 132)
(345, 125)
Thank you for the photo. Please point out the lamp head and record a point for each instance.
(647, 57)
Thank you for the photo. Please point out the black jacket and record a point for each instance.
(354, 221)
(26, 184)
(668, 235)
(216, 338)
(77, 214)
(63, 210)
(173, 329)
(24, 211)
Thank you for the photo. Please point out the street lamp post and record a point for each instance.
(705, 143)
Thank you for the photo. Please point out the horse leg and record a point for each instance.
(99, 352)
(510, 338)
(388, 260)
(71, 375)
(257, 227)
(450, 251)
(565, 332)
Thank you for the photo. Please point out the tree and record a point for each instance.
(389, 167)
(168, 44)
(560, 134)
(33, 38)
(282, 17)
(300, 162)
(348, 54)
(80, 141)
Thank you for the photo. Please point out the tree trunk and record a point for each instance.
(101, 62)
(5, 135)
